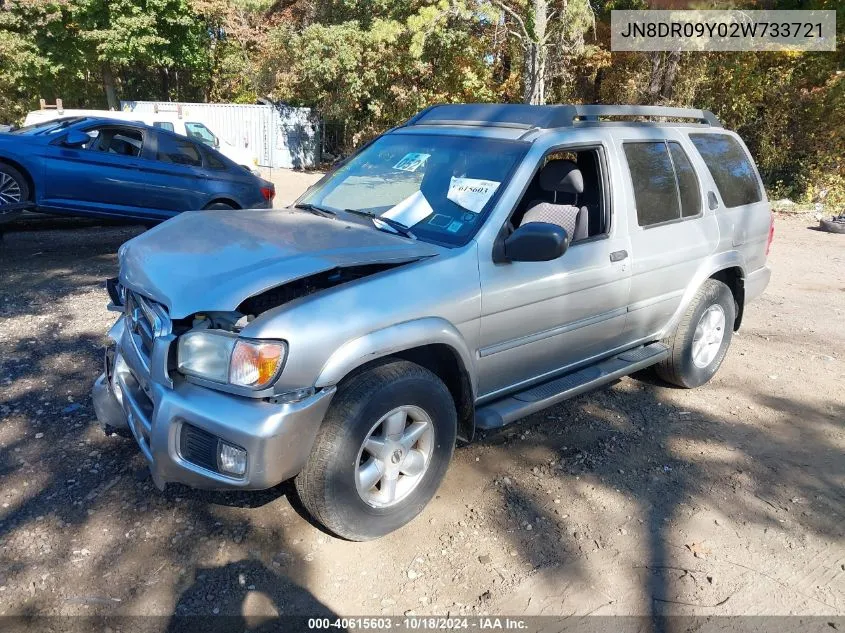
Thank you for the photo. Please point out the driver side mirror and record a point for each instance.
(216, 141)
(76, 139)
(533, 242)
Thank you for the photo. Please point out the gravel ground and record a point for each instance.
(636, 499)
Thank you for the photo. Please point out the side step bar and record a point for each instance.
(518, 405)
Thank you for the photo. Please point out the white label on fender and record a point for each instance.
(472, 193)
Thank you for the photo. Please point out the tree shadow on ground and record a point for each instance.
(668, 464)
(247, 595)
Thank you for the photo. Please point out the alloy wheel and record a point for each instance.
(395, 456)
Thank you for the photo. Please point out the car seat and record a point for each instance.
(560, 176)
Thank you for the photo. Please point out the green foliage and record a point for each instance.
(372, 71)
(366, 65)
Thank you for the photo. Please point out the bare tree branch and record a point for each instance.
(515, 16)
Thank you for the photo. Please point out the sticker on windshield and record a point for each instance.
(440, 221)
(412, 210)
(411, 162)
(471, 193)
(454, 227)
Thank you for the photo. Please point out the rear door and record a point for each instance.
(177, 176)
(103, 177)
(670, 228)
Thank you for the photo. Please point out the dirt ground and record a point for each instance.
(636, 499)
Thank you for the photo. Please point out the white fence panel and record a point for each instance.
(275, 136)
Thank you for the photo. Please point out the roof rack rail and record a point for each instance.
(593, 112)
(522, 116)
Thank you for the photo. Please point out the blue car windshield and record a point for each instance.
(441, 187)
(48, 127)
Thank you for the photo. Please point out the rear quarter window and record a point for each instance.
(213, 162)
(730, 167)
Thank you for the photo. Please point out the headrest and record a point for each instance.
(561, 175)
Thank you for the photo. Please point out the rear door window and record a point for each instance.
(655, 188)
(688, 188)
(213, 162)
(730, 167)
(665, 184)
(178, 152)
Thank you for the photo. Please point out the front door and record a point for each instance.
(102, 177)
(538, 318)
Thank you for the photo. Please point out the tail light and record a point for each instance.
(268, 192)
(771, 235)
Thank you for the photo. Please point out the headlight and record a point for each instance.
(223, 357)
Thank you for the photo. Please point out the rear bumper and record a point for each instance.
(756, 282)
(276, 437)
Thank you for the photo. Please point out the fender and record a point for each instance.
(710, 266)
(393, 339)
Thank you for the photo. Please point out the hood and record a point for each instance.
(213, 260)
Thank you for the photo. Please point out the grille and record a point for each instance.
(146, 321)
(140, 323)
(198, 447)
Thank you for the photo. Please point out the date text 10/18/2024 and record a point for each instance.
(421, 623)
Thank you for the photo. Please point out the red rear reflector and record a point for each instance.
(268, 192)
(771, 235)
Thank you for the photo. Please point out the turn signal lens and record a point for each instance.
(256, 364)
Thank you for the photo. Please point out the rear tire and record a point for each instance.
(331, 485)
(219, 206)
(14, 188)
(700, 342)
(831, 226)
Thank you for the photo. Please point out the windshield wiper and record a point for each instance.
(313, 208)
(393, 224)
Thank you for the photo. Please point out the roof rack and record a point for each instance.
(522, 116)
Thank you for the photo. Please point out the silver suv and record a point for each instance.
(464, 270)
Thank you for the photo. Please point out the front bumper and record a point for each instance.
(276, 437)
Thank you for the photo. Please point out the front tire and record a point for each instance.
(14, 188)
(381, 451)
(700, 342)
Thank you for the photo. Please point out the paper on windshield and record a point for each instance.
(472, 193)
(412, 210)
(411, 162)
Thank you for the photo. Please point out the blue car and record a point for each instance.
(98, 167)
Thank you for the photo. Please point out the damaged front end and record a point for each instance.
(208, 348)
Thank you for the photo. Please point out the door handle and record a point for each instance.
(618, 256)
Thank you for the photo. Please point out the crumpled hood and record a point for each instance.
(213, 260)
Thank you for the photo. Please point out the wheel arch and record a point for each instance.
(232, 203)
(24, 172)
(431, 342)
(727, 267)
(734, 278)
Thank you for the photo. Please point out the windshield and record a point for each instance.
(201, 133)
(441, 187)
(48, 127)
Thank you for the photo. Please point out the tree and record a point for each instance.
(540, 26)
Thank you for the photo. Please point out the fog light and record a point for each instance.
(231, 459)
